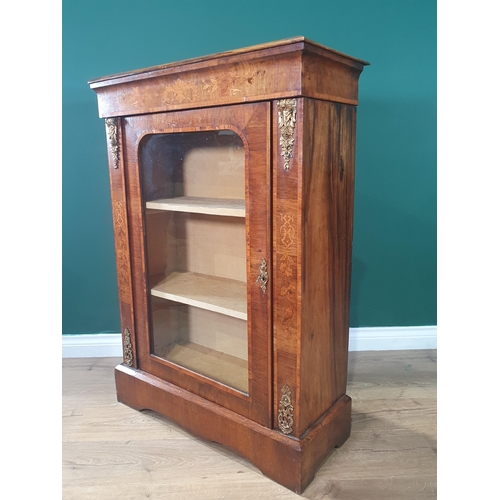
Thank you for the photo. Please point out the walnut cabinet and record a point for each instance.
(232, 182)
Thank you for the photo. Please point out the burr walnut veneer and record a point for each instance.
(232, 183)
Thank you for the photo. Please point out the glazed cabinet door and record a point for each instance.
(199, 217)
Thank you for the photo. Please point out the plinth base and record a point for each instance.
(289, 461)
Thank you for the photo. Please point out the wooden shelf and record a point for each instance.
(216, 365)
(198, 205)
(220, 295)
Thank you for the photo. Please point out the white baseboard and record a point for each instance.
(393, 338)
(360, 339)
(98, 345)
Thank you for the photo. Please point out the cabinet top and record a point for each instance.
(297, 43)
(285, 68)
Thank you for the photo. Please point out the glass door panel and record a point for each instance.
(194, 190)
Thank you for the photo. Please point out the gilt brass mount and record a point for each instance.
(285, 414)
(287, 116)
(127, 348)
(112, 129)
(263, 277)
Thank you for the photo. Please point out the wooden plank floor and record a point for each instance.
(113, 452)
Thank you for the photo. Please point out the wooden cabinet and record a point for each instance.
(232, 191)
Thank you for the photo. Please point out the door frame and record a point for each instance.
(252, 122)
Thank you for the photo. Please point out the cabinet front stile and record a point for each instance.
(200, 242)
(121, 234)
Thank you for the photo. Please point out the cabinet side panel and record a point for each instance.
(344, 213)
(328, 182)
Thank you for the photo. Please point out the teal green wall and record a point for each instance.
(394, 254)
